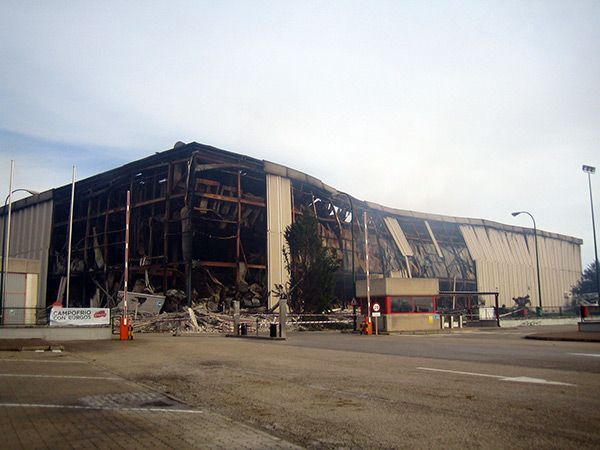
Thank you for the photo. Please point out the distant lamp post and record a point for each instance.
(6, 242)
(537, 260)
(590, 170)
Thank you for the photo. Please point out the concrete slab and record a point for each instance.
(57, 333)
(538, 321)
(589, 326)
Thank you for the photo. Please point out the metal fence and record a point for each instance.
(21, 316)
(547, 312)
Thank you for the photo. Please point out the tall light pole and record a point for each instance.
(6, 242)
(590, 170)
(537, 259)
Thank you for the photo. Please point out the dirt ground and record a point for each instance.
(324, 398)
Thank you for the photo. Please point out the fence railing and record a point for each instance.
(547, 312)
(21, 316)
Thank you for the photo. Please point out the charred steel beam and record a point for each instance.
(194, 169)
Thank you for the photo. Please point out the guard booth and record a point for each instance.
(406, 304)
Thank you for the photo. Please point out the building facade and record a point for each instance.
(210, 225)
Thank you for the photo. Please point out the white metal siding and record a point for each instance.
(279, 217)
(505, 261)
(31, 228)
(394, 228)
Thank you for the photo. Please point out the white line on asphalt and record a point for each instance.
(98, 408)
(57, 376)
(460, 373)
(593, 355)
(43, 361)
(500, 377)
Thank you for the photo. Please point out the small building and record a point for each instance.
(405, 304)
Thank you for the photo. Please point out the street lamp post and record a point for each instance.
(537, 259)
(590, 170)
(6, 243)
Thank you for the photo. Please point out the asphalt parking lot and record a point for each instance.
(51, 400)
(474, 389)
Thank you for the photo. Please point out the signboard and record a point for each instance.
(376, 310)
(79, 316)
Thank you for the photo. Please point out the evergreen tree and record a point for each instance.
(588, 283)
(311, 267)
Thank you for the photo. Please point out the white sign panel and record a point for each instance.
(376, 314)
(79, 316)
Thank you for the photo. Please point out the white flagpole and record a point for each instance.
(367, 264)
(7, 231)
(70, 235)
(126, 275)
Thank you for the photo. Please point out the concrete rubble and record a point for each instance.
(199, 319)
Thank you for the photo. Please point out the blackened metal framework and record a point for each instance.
(198, 225)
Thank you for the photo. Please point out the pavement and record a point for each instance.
(54, 400)
(18, 345)
(476, 388)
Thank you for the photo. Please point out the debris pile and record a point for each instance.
(200, 320)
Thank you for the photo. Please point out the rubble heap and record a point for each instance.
(200, 320)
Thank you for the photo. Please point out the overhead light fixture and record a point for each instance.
(588, 169)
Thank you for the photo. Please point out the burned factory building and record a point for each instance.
(207, 225)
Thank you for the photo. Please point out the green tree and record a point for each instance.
(311, 267)
(588, 282)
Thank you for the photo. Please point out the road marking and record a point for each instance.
(43, 361)
(98, 408)
(593, 355)
(499, 377)
(78, 377)
(459, 372)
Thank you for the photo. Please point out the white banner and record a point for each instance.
(79, 316)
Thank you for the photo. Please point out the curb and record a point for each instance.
(562, 338)
(267, 338)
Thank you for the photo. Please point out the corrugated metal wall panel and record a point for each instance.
(433, 239)
(505, 261)
(398, 235)
(279, 217)
(32, 240)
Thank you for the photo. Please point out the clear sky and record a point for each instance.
(466, 108)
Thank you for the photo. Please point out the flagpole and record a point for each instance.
(70, 235)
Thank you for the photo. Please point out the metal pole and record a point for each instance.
(352, 237)
(6, 232)
(497, 309)
(367, 264)
(537, 264)
(594, 232)
(3, 259)
(236, 317)
(70, 236)
(537, 258)
(126, 275)
(282, 317)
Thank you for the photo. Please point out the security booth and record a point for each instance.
(406, 304)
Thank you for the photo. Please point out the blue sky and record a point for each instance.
(467, 108)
